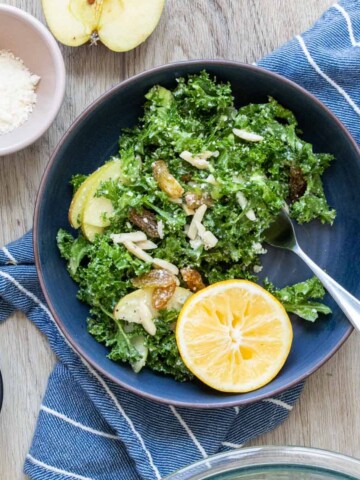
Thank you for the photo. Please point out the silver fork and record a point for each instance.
(282, 234)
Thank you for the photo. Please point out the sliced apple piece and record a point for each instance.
(137, 306)
(98, 212)
(90, 231)
(120, 24)
(79, 199)
(111, 170)
(139, 344)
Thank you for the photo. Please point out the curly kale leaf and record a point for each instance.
(299, 298)
(77, 180)
(107, 275)
(106, 330)
(313, 203)
(73, 250)
(163, 355)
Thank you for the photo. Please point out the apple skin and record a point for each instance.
(121, 25)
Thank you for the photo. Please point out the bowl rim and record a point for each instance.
(60, 81)
(1, 391)
(262, 456)
(169, 66)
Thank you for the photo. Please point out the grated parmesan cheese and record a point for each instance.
(17, 87)
(258, 248)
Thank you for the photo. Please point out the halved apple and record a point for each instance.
(121, 25)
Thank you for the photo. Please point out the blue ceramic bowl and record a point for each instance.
(93, 138)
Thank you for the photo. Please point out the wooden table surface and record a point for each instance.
(327, 414)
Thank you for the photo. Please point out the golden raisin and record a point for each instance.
(194, 201)
(167, 183)
(161, 296)
(155, 278)
(193, 279)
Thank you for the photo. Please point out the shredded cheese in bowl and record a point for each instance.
(17, 87)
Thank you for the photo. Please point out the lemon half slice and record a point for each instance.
(234, 336)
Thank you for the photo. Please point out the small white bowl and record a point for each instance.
(30, 40)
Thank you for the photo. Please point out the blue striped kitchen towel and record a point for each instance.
(90, 428)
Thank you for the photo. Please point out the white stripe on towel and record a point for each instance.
(345, 14)
(128, 419)
(189, 431)
(279, 403)
(9, 256)
(54, 469)
(27, 293)
(100, 380)
(326, 77)
(232, 445)
(77, 424)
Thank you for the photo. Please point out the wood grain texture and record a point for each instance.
(327, 414)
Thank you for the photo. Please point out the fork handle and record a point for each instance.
(347, 302)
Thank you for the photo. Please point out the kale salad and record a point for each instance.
(183, 205)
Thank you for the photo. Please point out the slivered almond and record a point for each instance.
(251, 215)
(248, 136)
(243, 203)
(161, 263)
(157, 262)
(187, 210)
(177, 201)
(128, 237)
(198, 217)
(146, 319)
(206, 236)
(200, 229)
(212, 180)
(197, 161)
(160, 229)
(138, 252)
(209, 240)
(196, 243)
(146, 245)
